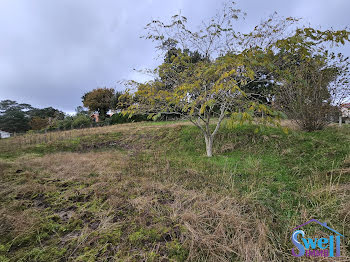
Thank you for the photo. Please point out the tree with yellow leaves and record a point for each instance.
(216, 85)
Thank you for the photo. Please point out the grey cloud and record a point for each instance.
(51, 52)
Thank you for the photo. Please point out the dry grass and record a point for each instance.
(289, 124)
(140, 204)
(213, 228)
(23, 141)
(216, 228)
(65, 165)
(27, 141)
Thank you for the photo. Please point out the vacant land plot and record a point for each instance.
(147, 192)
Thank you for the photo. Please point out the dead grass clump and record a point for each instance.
(16, 222)
(290, 124)
(216, 228)
(3, 167)
(75, 165)
(228, 147)
(6, 225)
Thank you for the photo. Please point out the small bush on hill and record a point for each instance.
(119, 118)
(81, 121)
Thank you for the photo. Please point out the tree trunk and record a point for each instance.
(209, 145)
(209, 137)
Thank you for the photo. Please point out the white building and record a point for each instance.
(4, 134)
(345, 113)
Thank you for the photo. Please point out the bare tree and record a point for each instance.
(313, 88)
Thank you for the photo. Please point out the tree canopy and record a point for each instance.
(48, 112)
(16, 117)
(225, 77)
(100, 100)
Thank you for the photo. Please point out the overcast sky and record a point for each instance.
(52, 52)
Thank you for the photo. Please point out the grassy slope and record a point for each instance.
(147, 192)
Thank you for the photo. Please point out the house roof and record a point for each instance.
(318, 222)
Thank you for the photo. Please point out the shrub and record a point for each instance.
(38, 123)
(81, 121)
(65, 123)
(119, 118)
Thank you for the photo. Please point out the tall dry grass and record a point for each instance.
(213, 227)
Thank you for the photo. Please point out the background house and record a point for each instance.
(4, 134)
(345, 113)
(95, 117)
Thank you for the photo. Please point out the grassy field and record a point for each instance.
(147, 192)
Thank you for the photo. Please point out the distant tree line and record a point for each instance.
(20, 117)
